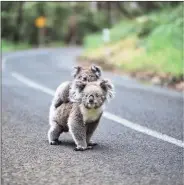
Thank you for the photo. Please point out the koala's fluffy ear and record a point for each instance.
(108, 87)
(77, 70)
(97, 70)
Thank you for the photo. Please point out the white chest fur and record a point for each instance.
(91, 114)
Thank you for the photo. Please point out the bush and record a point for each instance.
(150, 42)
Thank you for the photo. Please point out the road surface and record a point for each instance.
(140, 137)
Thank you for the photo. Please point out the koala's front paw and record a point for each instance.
(92, 144)
(82, 148)
(79, 149)
(55, 142)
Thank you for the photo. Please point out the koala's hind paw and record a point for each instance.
(82, 149)
(55, 142)
(89, 147)
(79, 149)
(92, 144)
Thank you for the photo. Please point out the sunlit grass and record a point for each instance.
(9, 46)
(149, 43)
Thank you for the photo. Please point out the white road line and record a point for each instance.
(108, 115)
(32, 84)
(20, 54)
(143, 129)
(3, 63)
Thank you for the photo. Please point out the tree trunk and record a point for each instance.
(19, 20)
(123, 9)
(109, 14)
(93, 6)
(72, 30)
(148, 5)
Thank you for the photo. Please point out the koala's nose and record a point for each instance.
(91, 99)
(84, 78)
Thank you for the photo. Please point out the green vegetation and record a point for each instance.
(152, 42)
(9, 46)
(144, 35)
(18, 20)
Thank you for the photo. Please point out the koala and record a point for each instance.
(90, 74)
(80, 117)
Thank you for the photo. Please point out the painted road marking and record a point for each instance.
(20, 54)
(107, 115)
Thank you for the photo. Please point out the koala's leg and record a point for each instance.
(78, 132)
(54, 133)
(91, 127)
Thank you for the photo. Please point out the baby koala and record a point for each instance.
(82, 116)
(90, 74)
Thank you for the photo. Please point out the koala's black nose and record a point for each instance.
(85, 79)
(91, 99)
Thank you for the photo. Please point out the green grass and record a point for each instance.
(56, 44)
(149, 43)
(116, 33)
(9, 46)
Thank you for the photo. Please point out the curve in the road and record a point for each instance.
(107, 115)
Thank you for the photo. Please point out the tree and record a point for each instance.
(18, 21)
(122, 9)
(109, 15)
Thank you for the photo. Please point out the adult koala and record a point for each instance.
(90, 74)
(82, 116)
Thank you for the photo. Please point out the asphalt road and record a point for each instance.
(139, 138)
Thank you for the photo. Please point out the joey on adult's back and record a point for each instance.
(90, 74)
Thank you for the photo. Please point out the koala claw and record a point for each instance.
(89, 147)
(55, 142)
(82, 149)
(79, 149)
(92, 144)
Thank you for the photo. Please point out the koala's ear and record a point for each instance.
(76, 71)
(108, 88)
(80, 85)
(97, 70)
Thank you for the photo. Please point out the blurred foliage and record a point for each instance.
(57, 26)
(9, 46)
(150, 42)
(17, 18)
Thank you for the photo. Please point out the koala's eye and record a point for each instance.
(97, 95)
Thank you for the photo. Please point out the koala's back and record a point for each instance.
(62, 91)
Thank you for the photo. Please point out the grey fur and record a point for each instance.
(62, 92)
(81, 117)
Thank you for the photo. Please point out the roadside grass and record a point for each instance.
(148, 43)
(9, 46)
(55, 44)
